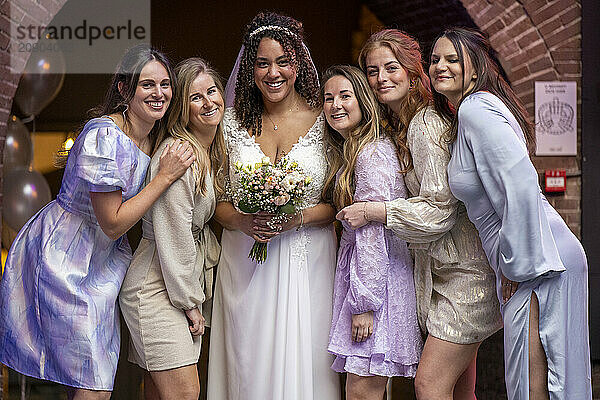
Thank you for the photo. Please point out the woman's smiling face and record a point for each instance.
(340, 105)
(387, 77)
(152, 94)
(274, 74)
(206, 103)
(446, 73)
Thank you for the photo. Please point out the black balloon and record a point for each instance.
(17, 147)
(25, 193)
(42, 80)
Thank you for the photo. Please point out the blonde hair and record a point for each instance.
(342, 154)
(408, 53)
(178, 125)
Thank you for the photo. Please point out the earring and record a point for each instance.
(412, 84)
(124, 111)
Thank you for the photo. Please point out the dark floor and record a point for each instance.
(39, 390)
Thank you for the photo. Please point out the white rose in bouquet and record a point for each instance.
(291, 180)
(281, 199)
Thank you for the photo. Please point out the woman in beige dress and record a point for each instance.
(170, 276)
(455, 286)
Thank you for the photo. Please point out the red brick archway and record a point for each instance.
(536, 39)
(539, 40)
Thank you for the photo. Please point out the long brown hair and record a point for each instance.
(289, 34)
(127, 75)
(489, 78)
(408, 53)
(342, 154)
(178, 124)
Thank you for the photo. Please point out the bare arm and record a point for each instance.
(361, 213)
(319, 215)
(255, 225)
(115, 217)
(196, 321)
(233, 220)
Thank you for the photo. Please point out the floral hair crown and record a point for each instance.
(271, 28)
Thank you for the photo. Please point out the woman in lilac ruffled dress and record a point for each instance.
(58, 317)
(374, 333)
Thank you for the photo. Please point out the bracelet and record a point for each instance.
(301, 220)
(364, 210)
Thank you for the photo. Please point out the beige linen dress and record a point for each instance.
(455, 286)
(171, 271)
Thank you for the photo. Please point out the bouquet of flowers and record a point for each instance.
(273, 188)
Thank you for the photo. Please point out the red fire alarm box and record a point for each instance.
(556, 180)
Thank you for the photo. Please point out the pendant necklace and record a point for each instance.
(275, 126)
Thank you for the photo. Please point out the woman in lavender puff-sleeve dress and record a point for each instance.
(58, 318)
(375, 332)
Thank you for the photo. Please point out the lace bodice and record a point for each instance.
(308, 152)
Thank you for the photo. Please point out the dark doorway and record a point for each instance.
(590, 148)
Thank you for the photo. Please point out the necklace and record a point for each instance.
(275, 127)
(294, 106)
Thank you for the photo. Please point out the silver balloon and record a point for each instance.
(17, 147)
(42, 79)
(25, 193)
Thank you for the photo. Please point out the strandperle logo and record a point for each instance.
(85, 36)
(84, 31)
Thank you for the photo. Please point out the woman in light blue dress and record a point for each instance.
(58, 318)
(540, 265)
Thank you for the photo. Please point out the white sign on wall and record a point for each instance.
(556, 118)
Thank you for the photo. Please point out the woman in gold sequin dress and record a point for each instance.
(456, 299)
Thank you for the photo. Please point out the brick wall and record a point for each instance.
(539, 40)
(423, 19)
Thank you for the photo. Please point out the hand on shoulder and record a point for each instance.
(175, 159)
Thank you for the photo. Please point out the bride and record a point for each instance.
(270, 321)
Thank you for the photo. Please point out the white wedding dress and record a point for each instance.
(270, 322)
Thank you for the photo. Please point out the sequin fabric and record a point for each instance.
(455, 286)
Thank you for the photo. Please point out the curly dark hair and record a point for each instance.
(289, 33)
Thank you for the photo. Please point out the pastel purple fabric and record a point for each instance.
(58, 318)
(375, 273)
